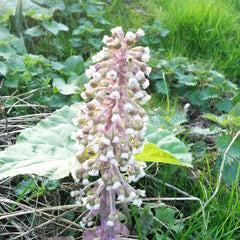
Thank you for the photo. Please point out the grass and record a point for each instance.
(203, 30)
(208, 30)
(222, 214)
(129, 14)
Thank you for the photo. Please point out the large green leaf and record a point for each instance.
(74, 65)
(51, 27)
(144, 222)
(47, 148)
(44, 149)
(3, 68)
(232, 162)
(66, 88)
(151, 153)
(165, 148)
(167, 216)
(34, 31)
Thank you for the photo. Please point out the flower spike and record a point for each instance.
(111, 131)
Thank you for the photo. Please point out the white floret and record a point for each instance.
(85, 181)
(95, 147)
(88, 73)
(133, 83)
(145, 84)
(106, 141)
(115, 162)
(90, 137)
(115, 95)
(75, 121)
(137, 202)
(103, 158)
(116, 139)
(116, 118)
(146, 50)
(138, 95)
(148, 70)
(94, 172)
(100, 127)
(97, 76)
(78, 203)
(145, 118)
(145, 57)
(140, 32)
(90, 224)
(112, 75)
(137, 117)
(110, 154)
(116, 185)
(145, 99)
(139, 75)
(106, 39)
(130, 36)
(129, 131)
(82, 224)
(131, 196)
(124, 155)
(121, 198)
(100, 182)
(124, 169)
(96, 206)
(128, 107)
(110, 223)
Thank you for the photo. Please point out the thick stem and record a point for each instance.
(107, 205)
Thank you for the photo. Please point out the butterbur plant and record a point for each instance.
(111, 131)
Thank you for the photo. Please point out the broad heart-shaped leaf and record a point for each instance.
(51, 27)
(74, 65)
(164, 147)
(232, 166)
(151, 153)
(66, 88)
(3, 68)
(44, 149)
(144, 222)
(34, 31)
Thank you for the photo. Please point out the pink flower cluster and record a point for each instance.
(111, 131)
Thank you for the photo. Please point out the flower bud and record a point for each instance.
(130, 37)
(132, 83)
(112, 75)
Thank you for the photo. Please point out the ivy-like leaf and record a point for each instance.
(222, 120)
(224, 105)
(188, 80)
(209, 93)
(164, 32)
